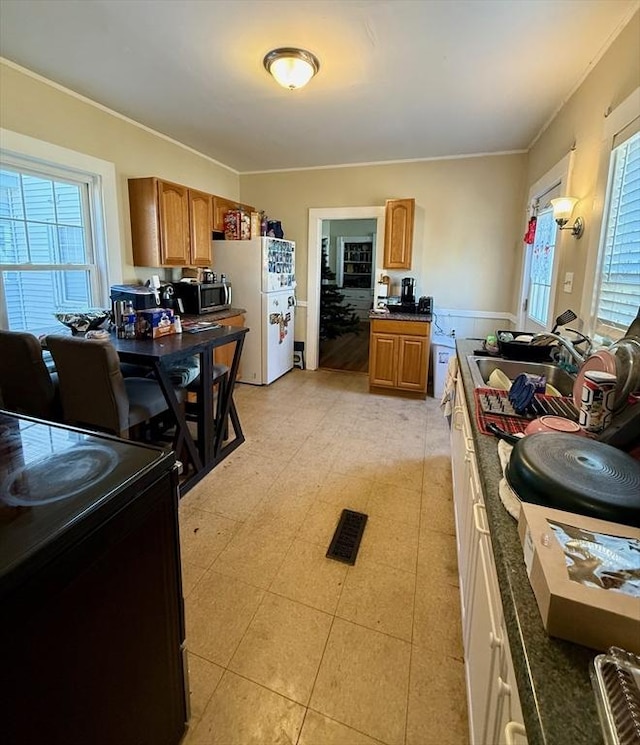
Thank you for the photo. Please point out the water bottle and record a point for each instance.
(130, 323)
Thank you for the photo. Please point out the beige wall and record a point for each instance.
(582, 121)
(34, 108)
(468, 219)
(470, 212)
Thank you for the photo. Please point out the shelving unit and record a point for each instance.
(355, 261)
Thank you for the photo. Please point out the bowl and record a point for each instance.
(550, 423)
(81, 321)
(499, 380)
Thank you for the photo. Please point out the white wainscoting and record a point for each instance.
(471, 323)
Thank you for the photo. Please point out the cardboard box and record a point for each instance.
(585, 575)
(154, 322)
(237, 225)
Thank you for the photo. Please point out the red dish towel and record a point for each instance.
(512, 424)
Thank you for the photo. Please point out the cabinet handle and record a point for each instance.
(477, 520)
(504, 689)
(457, 420)
(495, 642)
(510, 730)
(469, 443)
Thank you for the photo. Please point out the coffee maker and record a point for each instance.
(408, 294)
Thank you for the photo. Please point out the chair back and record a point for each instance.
(25, 383)
(92, 388)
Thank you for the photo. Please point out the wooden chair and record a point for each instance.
(93, 391)
(25, 382)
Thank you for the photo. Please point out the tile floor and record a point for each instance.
(287, 646)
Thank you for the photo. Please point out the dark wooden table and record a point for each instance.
(209, 447)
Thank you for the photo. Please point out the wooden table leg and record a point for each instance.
(182, 428)
(205, 408)
(228, 408)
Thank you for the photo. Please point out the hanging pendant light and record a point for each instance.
(291, 67)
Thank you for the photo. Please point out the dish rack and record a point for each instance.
(494, 401)
(615, 677)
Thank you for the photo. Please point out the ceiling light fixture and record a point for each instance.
(562, 209)
(291, 67)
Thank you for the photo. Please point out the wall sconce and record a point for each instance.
(291, 67)
(562, 209)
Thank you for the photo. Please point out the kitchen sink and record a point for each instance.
(482, 367)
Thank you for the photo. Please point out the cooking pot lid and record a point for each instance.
(578, 475)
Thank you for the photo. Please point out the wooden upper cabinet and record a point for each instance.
(221, 205)
(398, 233)
(173, 209)
(200, 225)
(170, 224)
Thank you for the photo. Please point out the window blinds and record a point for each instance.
(619, 296)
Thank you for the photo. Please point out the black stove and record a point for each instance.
(52, 477)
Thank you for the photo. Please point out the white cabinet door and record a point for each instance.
(494, 708)
(505, 719)
(467, 491)
(461, 487)
(485, 637)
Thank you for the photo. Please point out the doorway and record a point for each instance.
(347, 277)
(541, 259)
(353, 225)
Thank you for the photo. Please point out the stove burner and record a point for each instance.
(58, 476)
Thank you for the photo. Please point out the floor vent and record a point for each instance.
(346, 540)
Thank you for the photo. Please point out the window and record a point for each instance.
(59, 232)
(47, 256)
(618, 277)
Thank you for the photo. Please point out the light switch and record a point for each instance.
(568, 282)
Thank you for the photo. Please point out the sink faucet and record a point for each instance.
(578, 358)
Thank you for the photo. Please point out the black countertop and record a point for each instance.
(555, 691)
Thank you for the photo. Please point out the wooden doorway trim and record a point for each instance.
(314, 261)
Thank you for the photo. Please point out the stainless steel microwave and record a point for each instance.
(198, 297)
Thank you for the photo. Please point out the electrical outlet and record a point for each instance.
(567, 285)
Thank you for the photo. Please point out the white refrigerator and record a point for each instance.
(261, 272)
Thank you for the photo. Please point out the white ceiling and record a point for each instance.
(399, 79)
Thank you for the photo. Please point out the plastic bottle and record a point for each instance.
(130, 323)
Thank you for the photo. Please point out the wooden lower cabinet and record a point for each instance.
(224, 355)
(399, 355)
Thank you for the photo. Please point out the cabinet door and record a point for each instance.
(220, 207)
(145, 221)
(508, 713)
(224, 355)
(398, 233)
(173, 204)
(383, 360)
(200, 227)
(412, 363)
(464, 495)
(485, 640)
